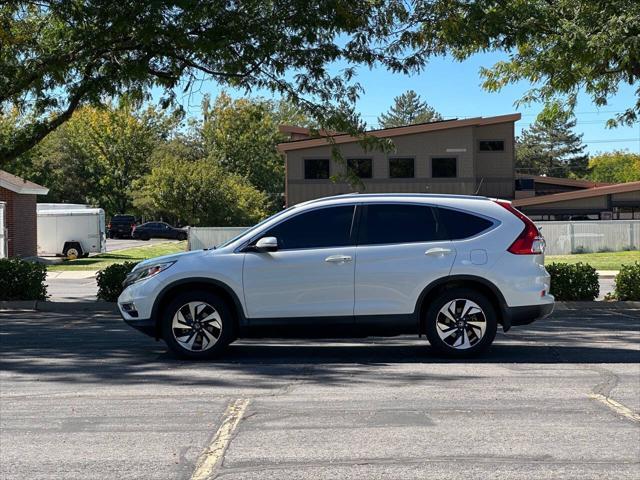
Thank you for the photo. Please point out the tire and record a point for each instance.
(182, 236)
(459, 336)
(145, 237)
(72, 250)
(179, 312)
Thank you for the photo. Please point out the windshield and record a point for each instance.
(251, 229)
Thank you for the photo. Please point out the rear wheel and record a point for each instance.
(461, 323)
(197, 325)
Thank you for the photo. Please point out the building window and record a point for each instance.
(401, 168)
(362, 167)
(316, 169)
(444, 167)
(492, 145)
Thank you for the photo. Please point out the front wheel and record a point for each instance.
(197, 325)
(461, 323)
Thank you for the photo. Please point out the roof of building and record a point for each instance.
(20, 185)
(566, 182)
(578, 194)
(394, 131)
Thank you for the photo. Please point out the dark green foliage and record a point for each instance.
(110, 280)
(628, 282)
(573, 282)
(408, 109)
(20, 280)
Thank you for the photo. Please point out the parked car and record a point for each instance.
(158, 230)
(121, 226)
(450, 267)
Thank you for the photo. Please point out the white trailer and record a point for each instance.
(70, 230)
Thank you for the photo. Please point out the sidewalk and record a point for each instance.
(72, 286)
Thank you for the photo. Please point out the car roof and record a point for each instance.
(386, 197)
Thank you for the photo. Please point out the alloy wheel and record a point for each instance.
(461, 324)
(196, 326)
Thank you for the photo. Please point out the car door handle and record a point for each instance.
(438, 251)
(338, 259)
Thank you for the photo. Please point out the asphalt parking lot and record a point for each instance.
(84, 397)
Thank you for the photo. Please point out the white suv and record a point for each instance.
(450, 267)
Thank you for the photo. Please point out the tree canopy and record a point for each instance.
(550, 147)
(407, 109)
(616, 167)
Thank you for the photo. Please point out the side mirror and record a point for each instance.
(267, 244)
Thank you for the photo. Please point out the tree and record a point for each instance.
(57, 56)
(241, 135)
(550, 147)
(97, 156)
(615, 167)
(559, 47)
(197, 192)
(407, 109)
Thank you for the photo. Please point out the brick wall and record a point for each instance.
(22, 226)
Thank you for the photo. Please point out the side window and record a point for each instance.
(491, 145)
(459, 225)
(401, 167)
(325, 227)
(396, 223)
(316, 168)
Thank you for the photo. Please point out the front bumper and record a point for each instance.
(146, 326)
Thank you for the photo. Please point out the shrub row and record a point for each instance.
(20, 280)
(573, 281)
(628, 282)
(110, 280)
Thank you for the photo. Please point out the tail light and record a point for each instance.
(529, 242)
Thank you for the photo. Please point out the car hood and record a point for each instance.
(171, 258)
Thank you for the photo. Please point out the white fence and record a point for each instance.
(207, 237)
(3, 231)
(562, 237)
(567, 237)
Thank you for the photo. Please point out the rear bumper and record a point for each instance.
(527, 314)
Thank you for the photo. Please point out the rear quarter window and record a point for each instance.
(459, 225)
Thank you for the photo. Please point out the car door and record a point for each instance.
(401, 249)
(311, 273)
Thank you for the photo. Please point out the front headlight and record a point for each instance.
(145, 272)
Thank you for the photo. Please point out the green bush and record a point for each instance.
(20, 280)
(628, 282)
(573, 282)
(110, 280)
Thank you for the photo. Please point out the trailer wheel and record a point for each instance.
(72, 250)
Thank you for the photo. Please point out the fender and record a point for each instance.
(242, 319)
(504, 317)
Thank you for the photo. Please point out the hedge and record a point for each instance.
(628, 282)
(110, 280)
(21, 280)
(573, 281)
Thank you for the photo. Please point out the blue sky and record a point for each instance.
(454, 89)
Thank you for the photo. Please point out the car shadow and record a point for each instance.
(100, 348)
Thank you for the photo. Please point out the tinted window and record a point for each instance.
(316, 168)
(459, 225)
(491, 145)
(443, 167)
(326, 227)
(401, 168)
(398, 224)
(362, 167)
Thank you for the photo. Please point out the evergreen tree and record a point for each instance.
(551, 147)
(408, 109)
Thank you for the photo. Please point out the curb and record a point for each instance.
(623, 305)
(60, 307)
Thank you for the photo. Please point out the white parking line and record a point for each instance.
(213, 454)
(617, 407)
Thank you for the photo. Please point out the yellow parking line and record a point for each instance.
(213, 454)
(617, 407)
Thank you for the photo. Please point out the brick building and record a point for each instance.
(19, 218)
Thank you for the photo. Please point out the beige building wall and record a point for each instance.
(461, 143)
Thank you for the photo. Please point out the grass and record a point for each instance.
(600, 261)
(137, 254)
